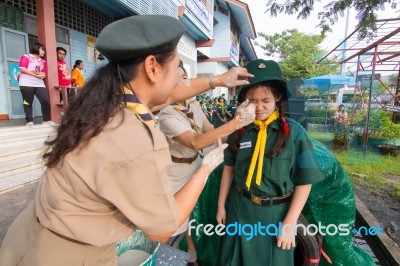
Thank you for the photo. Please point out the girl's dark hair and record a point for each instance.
(92, 108)
(279, 92)
(36, 47)
(77, 63)
(61, 49)
(182, 67)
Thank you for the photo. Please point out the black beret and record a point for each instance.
(140, 35)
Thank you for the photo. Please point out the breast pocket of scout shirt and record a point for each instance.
(276, 170)
(242, 164)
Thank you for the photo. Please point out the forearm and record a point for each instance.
(226, 182)
(27, 72)
(182, 92)
(188, 195)
(299, 200)
(209, 138)
(197, 86)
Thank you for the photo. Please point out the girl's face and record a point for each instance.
(264, 101)
(81, 66)
(341, 108)
(41, 52)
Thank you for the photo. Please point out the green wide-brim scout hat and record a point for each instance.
(139, 36)
(264, 70)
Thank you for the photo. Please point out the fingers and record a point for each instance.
(223, 146)
(245, 103)
(215, 157)
(242, 72)
(219, 142)
(278, 242)
(246, 114)
(221, 217)
(285, 243)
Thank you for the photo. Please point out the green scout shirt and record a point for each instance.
(232, 109)
(295, 165)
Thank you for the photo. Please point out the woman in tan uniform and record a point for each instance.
(107, 165)
(188, 132)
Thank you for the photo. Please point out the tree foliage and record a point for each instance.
(365, 12)
(297, 53)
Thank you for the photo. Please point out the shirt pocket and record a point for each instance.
(277, 167)
(242, 163)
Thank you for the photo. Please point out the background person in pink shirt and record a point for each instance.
(33, 70)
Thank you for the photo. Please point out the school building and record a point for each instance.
(218, 36)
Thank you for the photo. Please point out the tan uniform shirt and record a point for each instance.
(116, 183)
(172, 124)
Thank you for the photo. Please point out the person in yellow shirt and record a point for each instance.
(77, 78)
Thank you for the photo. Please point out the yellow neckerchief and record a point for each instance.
(222, 108)
(259, 149)
(133, 103)
(186, 111)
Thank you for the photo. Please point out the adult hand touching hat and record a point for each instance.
(236, 76)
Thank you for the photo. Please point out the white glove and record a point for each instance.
(215, 157)
(245, 113)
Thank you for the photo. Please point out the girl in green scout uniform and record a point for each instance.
(209, 110)
(269, 169)
(220, 113)
(233, 106)
(214, 108)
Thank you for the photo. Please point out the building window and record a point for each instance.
(72, 14)
(76, 15)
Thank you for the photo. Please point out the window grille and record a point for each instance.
(72, 14)
(147, 7)
(27, 6)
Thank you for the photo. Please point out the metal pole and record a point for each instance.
(326, 109)
(343, 65)
(369, 101)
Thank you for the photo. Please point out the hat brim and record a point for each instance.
(245, 88)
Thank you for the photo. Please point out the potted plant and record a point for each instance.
(375, 125)
(342, 135)
(390, 131)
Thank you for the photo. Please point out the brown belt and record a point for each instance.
(64, 237)
(263, 200)
(184, 160)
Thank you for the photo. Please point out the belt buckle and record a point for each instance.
(255, 199)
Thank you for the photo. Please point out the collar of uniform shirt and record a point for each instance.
(274, 125)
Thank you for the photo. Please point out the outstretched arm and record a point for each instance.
(236, 76)
(209, 137)
(188, 195)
